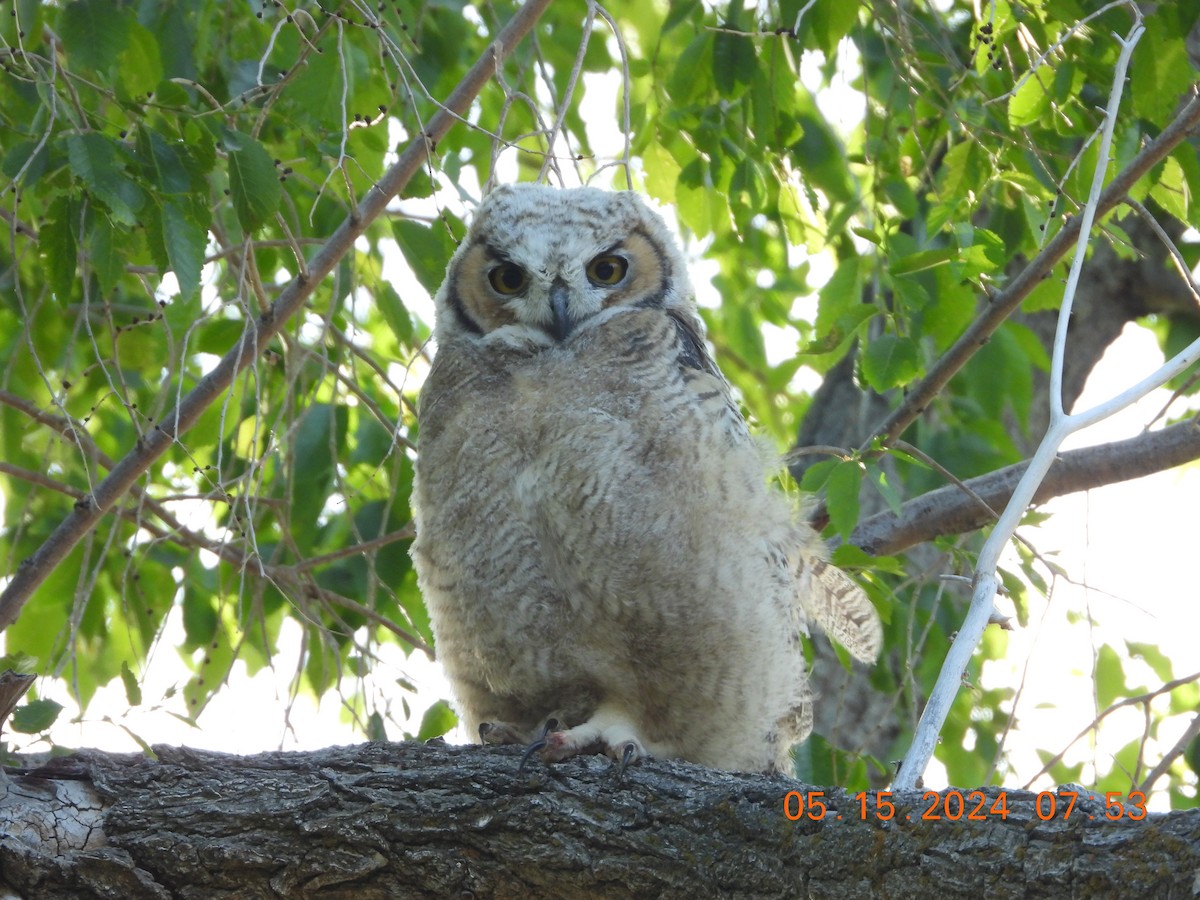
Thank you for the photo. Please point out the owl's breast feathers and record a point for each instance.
(626, 356)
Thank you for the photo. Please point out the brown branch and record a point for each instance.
(87, 513)
(1168, 760)
(344, 822)
(1005, 303)
(948, 510)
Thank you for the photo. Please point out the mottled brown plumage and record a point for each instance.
(597, 539)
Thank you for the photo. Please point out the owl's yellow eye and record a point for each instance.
(508, 279)
(607, 270)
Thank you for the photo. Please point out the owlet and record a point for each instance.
(606, 564)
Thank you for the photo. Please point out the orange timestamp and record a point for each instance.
(972, 806)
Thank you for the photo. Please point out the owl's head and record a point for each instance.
(540, 263)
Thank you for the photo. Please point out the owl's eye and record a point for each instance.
(607, 270)
(508, 279)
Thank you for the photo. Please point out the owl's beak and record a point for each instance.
(560, 323)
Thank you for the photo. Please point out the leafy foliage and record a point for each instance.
(167, 167)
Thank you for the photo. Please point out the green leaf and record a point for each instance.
(890, 361)
(922, 260)
(184, 240)
(1031, 99)
(832, 21)
(253, 179)
(426, 248)
(1154, 658)
(319, 442)
(841, 496)
(35, 716)
(376, 729)
(219, 335)
(816, 475)
(133, 690)
(733, 62)
(105, 252)
(1110, 677)
(199, 615)
(438, 719)
(1160, 72)
(394, 312)
(166, 163)
(662, 172)
(840, 309)
(688, 80)
(883, 483)
(960, 171)
(679, 11)
(94, 32)
(1172, 190)
(56, 241)
(140, 69)
(33, 156)
(99, 162)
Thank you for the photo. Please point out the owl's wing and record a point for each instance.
(839, 607)
(704, 378)
(692, 352)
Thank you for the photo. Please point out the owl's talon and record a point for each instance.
(629, 753)
(539, 744)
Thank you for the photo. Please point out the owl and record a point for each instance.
(606, 563)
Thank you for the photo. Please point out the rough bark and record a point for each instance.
(412, 820)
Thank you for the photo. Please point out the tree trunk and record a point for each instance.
(407, 820)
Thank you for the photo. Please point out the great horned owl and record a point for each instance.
(605, 563)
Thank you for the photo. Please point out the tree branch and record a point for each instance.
(949, 510)
(1003, 304)
(380, 820)
(33, 570)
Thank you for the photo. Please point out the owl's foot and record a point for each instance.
(499, 733)
(607, 732)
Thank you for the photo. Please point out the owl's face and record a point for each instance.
(541, 263)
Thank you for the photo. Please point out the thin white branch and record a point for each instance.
(1061, 425)
(800, 15)
(1177, 365)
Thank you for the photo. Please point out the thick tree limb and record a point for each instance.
(948, 510)
(407, 820)
(87, 512)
